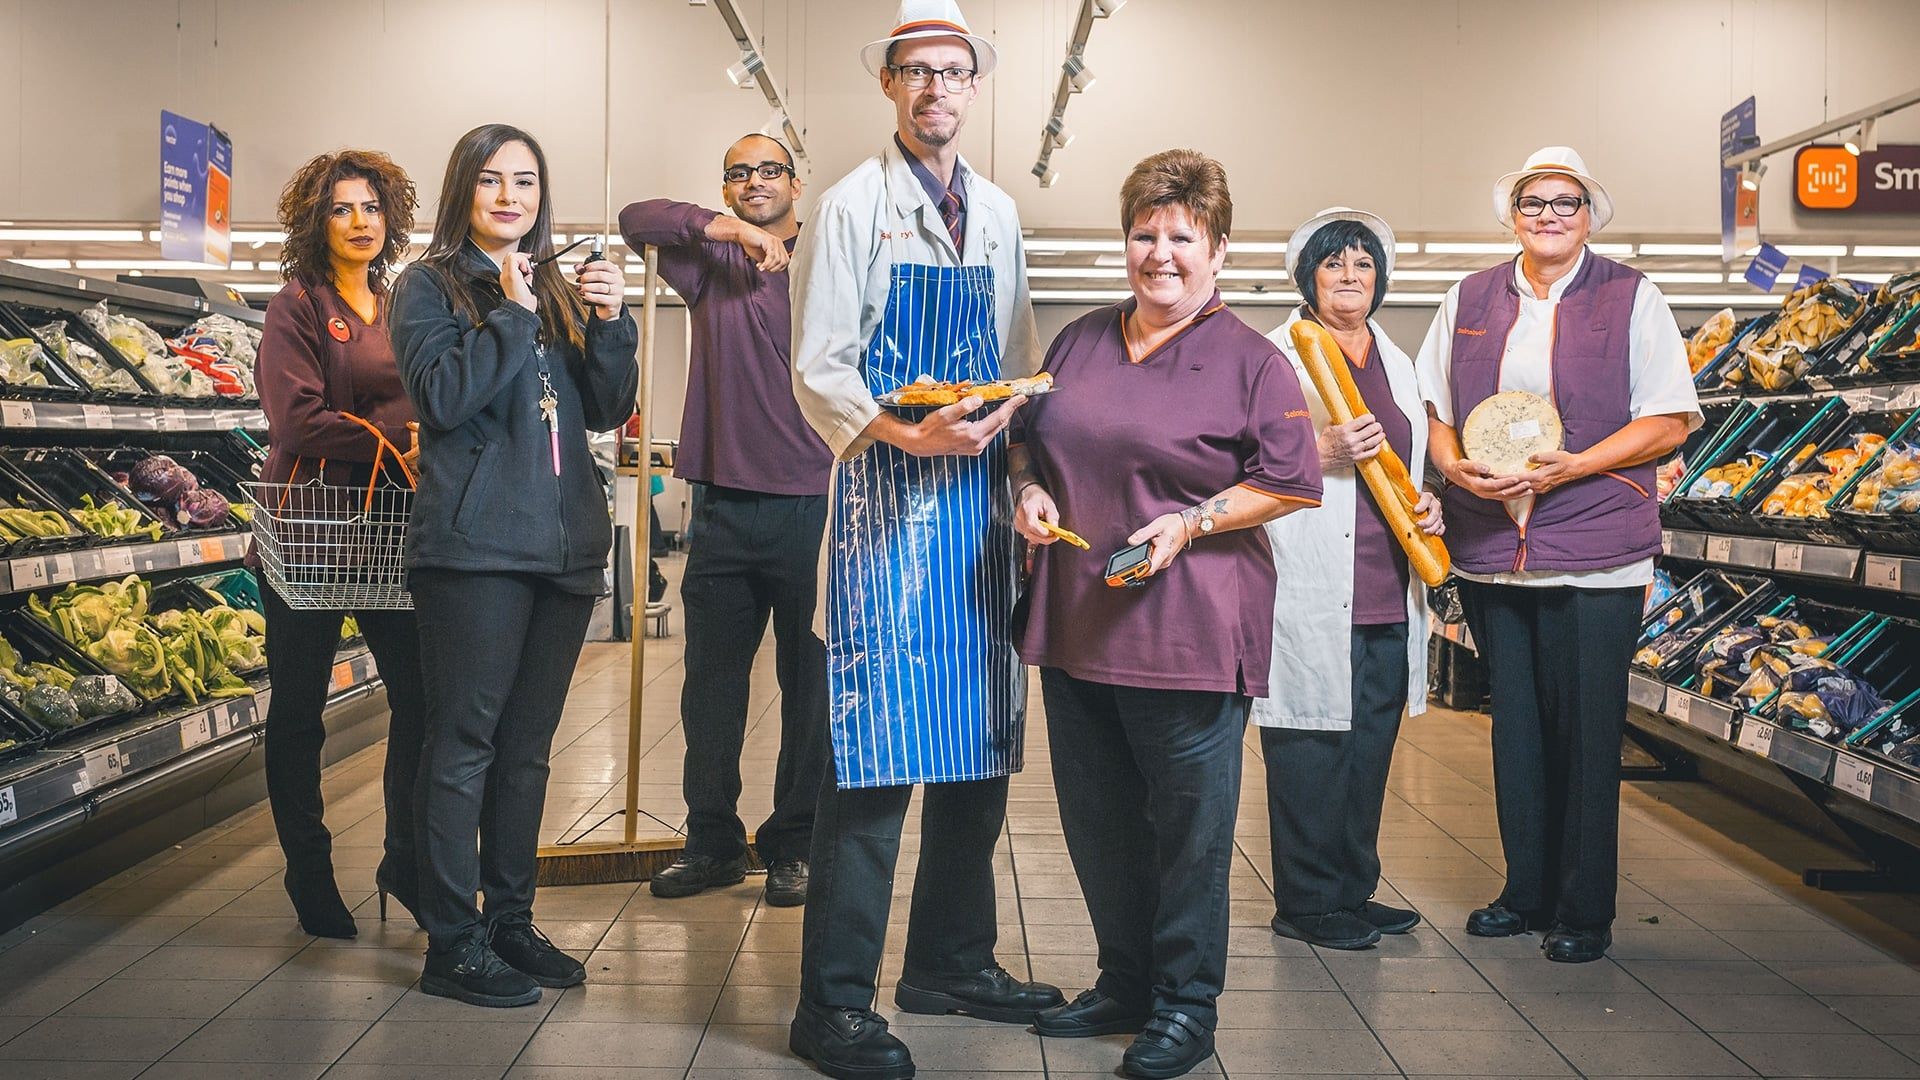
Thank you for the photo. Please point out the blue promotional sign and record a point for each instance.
(1808, 275)
(196, 191)
(1739, 208)
(1766, 268)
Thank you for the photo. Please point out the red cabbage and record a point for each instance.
(200, 508)
(161, 479)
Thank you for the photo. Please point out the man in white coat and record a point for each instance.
(1350, 631)
(912, 266)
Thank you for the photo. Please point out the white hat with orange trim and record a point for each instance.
(929, 19)
(1561, 160)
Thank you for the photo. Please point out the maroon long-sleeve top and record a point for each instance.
(741, 427)
(318, 360)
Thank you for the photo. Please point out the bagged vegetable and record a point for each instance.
(22, 363)
(102, 695)
(79, 357)
(1713, 335)
(145, 349)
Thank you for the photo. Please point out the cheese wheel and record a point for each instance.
(1505, 430)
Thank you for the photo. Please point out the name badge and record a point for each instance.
(338, 328)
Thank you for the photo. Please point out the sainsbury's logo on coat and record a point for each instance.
(1470, 332)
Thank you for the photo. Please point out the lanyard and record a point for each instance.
(549, 405)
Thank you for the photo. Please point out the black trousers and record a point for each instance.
(300, 651)
(498, 652)
(757, 556)
(1325, 789)
(1557, 670)
(954, 919)
(1149, 788)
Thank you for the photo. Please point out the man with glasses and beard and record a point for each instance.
(912, 266)
(757, 525)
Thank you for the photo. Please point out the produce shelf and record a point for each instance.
(52, 782)
(81, 416)
(1829, 562)
(119, 560)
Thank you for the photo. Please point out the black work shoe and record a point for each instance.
(691, 875)
(1092, 1013)
(787, 883)
(1172, 1044)
(1389, 920)
(1566, 945)
(991, 994)
(1498, 920)
(848, 1044)
(1334, 930)
(469, 971)
(521, 944)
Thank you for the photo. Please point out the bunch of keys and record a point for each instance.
(550, 412)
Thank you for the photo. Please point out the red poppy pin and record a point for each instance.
(338, 328)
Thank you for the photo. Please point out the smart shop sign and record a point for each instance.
(1881, 181)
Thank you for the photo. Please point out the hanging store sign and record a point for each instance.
(1809, 275)
(1766, 267)
(196, 191)
(1882, 181)
(1739, 208)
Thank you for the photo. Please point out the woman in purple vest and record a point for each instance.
(1554, 562)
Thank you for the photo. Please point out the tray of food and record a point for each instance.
(928, 393)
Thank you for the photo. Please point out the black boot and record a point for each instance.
(1566, 945)
(848, 1044)
(469, 971)
(316, 900)
(1092, 1013)
(402, 885)
(1499, 920)
(787, 883)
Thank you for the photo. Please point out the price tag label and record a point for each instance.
(1680, 707)
(27, 573)
(117, 561)
(260, 700)
(96, 417)
(80, 783)
(1853, 776)
(1666, 542)
(220, 718)
(194, 731)
(213, 549)
(342, 675)
(106, 765)
(62, 569)
(1756, 737)
(1720, 549)
(1787, 557)
(187, 552)
(16, 413)
(9, 809)
(1882, 572)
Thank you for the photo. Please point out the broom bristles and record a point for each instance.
(611, 863)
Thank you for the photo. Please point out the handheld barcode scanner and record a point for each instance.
(1128, 567)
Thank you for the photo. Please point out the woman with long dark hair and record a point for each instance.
(325, 355)
(508, 366)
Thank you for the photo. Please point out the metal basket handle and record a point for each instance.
(379, 452)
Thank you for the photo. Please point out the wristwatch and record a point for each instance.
(1206, 521)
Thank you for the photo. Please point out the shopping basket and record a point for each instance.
(326, 547)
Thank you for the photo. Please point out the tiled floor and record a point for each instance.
(191, 966)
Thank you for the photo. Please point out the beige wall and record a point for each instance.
(1406, 106)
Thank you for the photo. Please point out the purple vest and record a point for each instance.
(1603, 521)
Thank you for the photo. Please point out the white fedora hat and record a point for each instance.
(1374, 222)
(1564, 160)
(928, 19)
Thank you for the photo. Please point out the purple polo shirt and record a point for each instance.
(1378, 598)
(741, 427)
(1120, 443)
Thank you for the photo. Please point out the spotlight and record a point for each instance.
(1048, 175)
(1869, 136)
(1058, 133)
(1750, 176)
(1103, 9)
(1078, 73)
(744, 70)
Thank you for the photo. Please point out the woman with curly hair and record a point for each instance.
(324, 359)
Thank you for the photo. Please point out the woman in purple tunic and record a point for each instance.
(1177, 426)
(324, 354)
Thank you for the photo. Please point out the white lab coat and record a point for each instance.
(878, 215)
(1311, 682)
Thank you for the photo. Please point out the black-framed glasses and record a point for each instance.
(1563, 205)
(768, 170)
(918, 77)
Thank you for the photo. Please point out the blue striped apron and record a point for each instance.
(922, 679)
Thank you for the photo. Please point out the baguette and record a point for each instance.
(1386, 475)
